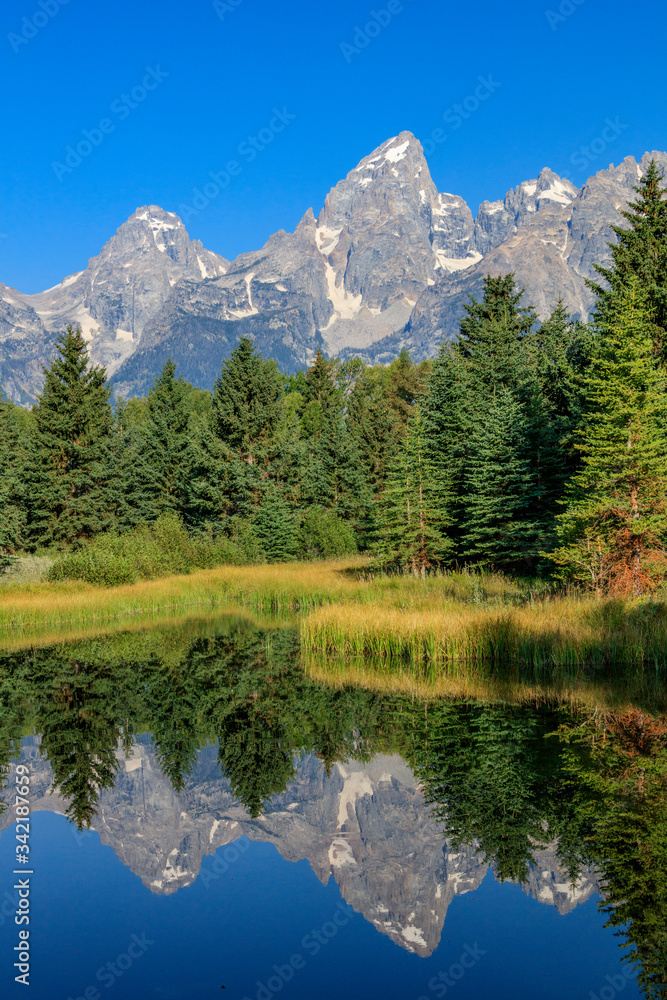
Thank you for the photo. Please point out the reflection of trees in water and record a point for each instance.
(502, 779)
(615, 767)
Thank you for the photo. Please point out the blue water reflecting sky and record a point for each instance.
(89, 910)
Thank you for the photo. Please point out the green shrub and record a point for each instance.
(325, 535)
(145, 553)
(96, 565)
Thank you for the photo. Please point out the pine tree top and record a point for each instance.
(500, 307)
(640, 253)
(246, 397)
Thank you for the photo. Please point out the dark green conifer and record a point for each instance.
(12, 516)
(640, 255)
(447, 427)
(612, 533)
(501, 482)
(71, 492)
(246, 400)
(167, 440)
(497, 528)
(276, 525)
(414, 507)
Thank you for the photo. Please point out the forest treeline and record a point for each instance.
(540, 448)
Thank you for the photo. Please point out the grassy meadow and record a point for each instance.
(347, 613)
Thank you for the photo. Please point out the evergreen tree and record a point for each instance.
(493, 334)
(246, 400)
(373, 426)
(445, 410)
(560, 352)
(414, 507)
(71, 492)
(640, 256)
(167, 441)
(498, 421)
(322, 395)
(138, 501)
(207, 498)
(276, 525)
(11, 493)
(333, 474)
(404, 384)
(229, 461)
(497, 529)
(613, 530)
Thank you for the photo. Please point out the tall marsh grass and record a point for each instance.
(548, 635)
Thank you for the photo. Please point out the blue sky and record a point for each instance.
(559, 70)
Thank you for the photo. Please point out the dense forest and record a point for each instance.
(539, 448)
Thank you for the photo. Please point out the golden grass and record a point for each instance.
(348, 612)
(286, 586)
(551, 633)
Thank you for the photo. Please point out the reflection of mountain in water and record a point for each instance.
(367, 825)
(545, 792)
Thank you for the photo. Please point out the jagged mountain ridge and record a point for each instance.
(365, 825)
(387, 264)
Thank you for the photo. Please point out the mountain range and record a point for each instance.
(387, 264)
(367, 826)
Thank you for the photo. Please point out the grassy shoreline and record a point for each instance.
(264, 588)
(348, 613)
(562, 633)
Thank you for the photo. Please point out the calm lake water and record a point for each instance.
(207, 821)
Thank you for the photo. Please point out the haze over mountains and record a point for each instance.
(388, 263)
(366, 825)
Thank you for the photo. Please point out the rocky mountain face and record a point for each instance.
(388, 263)
(367, 826)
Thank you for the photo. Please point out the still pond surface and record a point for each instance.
(208, 820)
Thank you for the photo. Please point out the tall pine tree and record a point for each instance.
(71, 490)
(640, 255)
(11, 491)
(166, 442)
(612, 533)
(414, 507)
(498, 487)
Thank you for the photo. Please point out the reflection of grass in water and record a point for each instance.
(262, 588)
(467, 682)
(148, 634)
(349, 612)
